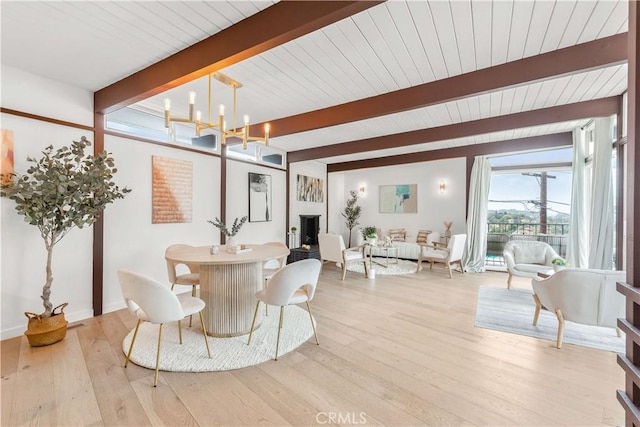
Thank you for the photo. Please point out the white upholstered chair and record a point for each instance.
(293, 284)
(582, 296)
(192, 278)
(438, 252)
(527, 258)
(270, 267)
(153, 302)
(332, 248)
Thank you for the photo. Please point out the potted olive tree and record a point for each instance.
(65, 188)
(351, 213)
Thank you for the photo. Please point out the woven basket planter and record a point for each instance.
(43, 331)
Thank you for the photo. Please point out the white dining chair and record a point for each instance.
(192, 278)
(151, 301)
(293, 284)
(270, 267)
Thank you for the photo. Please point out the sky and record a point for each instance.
(516, 186)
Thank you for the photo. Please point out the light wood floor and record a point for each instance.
(397, 350)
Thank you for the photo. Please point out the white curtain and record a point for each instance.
(577, 246)
(601, 233)
(477, 215)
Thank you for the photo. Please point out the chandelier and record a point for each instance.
(195, 117)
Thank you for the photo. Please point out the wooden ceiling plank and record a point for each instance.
(563, 139)
(587, 109)
(587, 56)
(276, 25)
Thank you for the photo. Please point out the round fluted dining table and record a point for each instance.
(228, 283)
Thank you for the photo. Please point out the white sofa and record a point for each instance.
(527, 258)
(406, 250)
(582, 296)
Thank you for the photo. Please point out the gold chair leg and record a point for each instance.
(135, 334)
(449, 267)
(280, 327)
(312, 323)
(266, 306)
(419, 267)
(430, 265)
(537, 312)
(180, 330)
(560, 327)
(253, 323)
(509, 281)
(204, 332)
(155, 377)
(193, 294)
(344, 269)
(366, 269)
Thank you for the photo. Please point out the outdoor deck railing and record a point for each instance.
(501, 233)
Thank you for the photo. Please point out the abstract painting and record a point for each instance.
(6, 150)
(399, 198)
(309, 189)
(259, 197)
(172, 190)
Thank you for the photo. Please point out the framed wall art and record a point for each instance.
(399, 198)
(172, 190)
(6, 150)
(309, 189)
(259, 197)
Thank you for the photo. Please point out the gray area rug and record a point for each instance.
(512, 311)
(226, 353)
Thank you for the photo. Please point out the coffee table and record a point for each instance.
(388, 251)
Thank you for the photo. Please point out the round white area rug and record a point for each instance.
(402, 267)
(226, 353)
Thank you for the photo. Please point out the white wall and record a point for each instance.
(37, 95)
(296, 208)
(23, 255)
(433, 207)
(238, 203)
(131, 241)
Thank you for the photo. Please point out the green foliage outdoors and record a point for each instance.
(65, 188)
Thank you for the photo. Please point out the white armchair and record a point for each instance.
(437, 252)
(527, 258)
(332, 248)
(582, 296)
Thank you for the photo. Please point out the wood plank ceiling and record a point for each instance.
(388, 47)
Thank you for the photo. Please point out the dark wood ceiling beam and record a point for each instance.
(514, 145)
(579, 58)
(275, 25)
(580, 110)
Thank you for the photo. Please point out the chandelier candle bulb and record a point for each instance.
(221, 110)
(198, 115)
(192, 101)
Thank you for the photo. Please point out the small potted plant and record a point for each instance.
(230, 241)
(558, 264)
(370, 235)
(65, 188)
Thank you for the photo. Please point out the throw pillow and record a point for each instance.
(422, 236)
(398, 234)
(529, 255)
